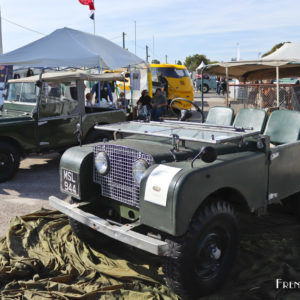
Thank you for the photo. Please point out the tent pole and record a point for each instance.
(202, 100)
(227, 86)
(277, 85)
(39, 103)
(124, 90)
(131, 89)
(99, 84)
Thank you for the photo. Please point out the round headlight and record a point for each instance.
(138, 170)
(102, 163)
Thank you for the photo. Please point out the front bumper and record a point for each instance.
(122, 233)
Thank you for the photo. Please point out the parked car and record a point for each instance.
(209, 83)
(175, 188)
(44, 113)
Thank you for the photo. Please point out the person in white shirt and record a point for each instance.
(89, 98)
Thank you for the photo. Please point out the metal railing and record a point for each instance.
(264, 96)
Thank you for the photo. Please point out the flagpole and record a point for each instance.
(1, 43)
(94, 20)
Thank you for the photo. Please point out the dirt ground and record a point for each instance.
(29, 190)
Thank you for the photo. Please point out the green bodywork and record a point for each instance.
(41, 126)
(235, 172)
(249, 174)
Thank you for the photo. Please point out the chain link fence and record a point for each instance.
(264, 96)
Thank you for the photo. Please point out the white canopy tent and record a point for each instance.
(284, 62)
(67, 47)
(286, 58)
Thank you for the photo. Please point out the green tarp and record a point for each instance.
(40, 258)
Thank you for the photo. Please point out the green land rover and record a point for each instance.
(47, 112)
(175, 188)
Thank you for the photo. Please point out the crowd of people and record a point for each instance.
(147, 107)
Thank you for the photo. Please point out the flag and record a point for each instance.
(90, 3)
(92, 14)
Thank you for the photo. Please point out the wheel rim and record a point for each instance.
(6, 162)
(210, 253)
(205, 89)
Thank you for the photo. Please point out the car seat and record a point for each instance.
(251, 118)
(220, 115)
(283, 127)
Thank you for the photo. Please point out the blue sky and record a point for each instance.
(180, 27)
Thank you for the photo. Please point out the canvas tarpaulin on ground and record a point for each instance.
(40, 258)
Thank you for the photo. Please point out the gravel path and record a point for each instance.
(29, 190)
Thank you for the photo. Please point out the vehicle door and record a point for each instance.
(284, 171)
(58, 115)
(21, 101)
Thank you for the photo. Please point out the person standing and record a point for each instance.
(159, 104)
(218, 85)
(223, 85)
(105, 91)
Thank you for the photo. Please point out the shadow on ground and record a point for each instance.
(37, 178)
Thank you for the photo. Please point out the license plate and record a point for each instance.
(70, 182)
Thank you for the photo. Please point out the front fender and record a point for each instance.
(80, 161)
(191, 186)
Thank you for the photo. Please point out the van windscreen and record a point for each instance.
(169, 72)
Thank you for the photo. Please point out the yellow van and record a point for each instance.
(173, 79)
(179, 83)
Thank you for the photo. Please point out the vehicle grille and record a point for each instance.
(119, 184)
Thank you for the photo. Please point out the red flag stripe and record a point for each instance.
(90, 3)
(92, 7)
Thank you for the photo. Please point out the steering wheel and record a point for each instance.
(185, 112)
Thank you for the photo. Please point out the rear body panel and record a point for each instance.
(284, 171)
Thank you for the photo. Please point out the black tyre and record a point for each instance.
(292, 205)
(9, 161)
(205, 88)
(199, 261)
(97, 136)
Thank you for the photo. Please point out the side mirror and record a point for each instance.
(207, 154)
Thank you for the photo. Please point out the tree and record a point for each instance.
(179, 62)
(155, 61)
(192, 62)
(277, 46)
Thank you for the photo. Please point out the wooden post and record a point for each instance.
(277, 86)
(227, 87)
